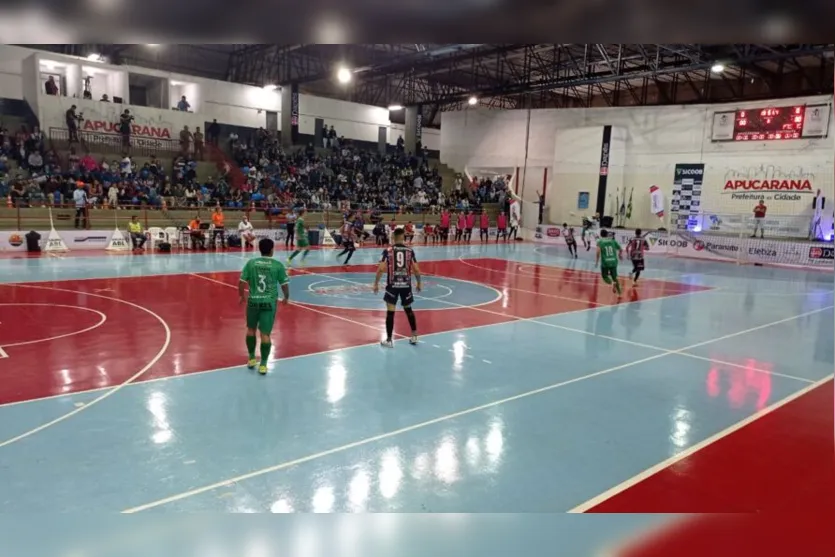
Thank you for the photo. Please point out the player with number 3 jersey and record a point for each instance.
(398, 264)
(263, 275)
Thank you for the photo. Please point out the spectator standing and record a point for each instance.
(759, 218)
(50, 86)
(198, 144)
(79, 196)
(125, 122)
(185, 141)
(213, 133)
(72, 119)
(183, 105)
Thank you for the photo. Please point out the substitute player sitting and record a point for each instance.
(246, 232)
(609, 253)
(635, 250)
(263, 275)
(398, 263)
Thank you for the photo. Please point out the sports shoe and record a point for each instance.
(262, 369)
(387, 343)
(252, 363)
(414, 339)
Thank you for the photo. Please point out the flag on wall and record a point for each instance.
(656, 201)
(629, 205)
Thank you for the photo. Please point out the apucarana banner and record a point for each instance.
(15, 240)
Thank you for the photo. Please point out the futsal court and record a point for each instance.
(533, 388)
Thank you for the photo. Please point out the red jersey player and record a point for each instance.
(484, 234)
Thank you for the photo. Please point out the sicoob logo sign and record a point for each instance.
(553, 232)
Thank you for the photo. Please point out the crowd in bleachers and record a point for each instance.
(259, 172)
(323, 179)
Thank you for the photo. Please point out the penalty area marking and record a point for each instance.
(110, 392)
(101, 315)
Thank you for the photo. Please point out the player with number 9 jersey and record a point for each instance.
(398, 263)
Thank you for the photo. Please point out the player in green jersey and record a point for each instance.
(302, 244)
(263, 275)
(608, 254)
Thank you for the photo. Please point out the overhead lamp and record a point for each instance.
(472, 101)
(94, 57)
(270, 87)
(396, 107)
(343, 75)
(717, 68)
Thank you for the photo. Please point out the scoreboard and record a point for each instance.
(771, 123)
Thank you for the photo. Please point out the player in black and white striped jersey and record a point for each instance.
(348, 246)
(635, 249)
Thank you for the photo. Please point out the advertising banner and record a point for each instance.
(787, 190)
(686, 201)
(73, 239)
(734, 249)
(100, 120)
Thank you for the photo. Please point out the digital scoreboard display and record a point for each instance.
(771, 123)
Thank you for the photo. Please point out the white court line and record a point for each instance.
(441, 419)
(447, 288)
(305, 306)
(3, 354)
(112, 390)
(588, 281)
(322, 352)
(25, 343)
(608, 494)
(590, 333)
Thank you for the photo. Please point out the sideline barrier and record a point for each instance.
(734, 249)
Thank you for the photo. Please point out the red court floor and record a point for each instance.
(103, 332)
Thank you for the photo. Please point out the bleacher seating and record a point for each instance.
(254, 175)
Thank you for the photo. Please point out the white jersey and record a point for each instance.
(245, 227)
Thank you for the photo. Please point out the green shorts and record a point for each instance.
(261, 317)
(302, 243)
(609, 272)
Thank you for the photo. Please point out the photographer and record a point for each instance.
(73, 120)
(125, 121)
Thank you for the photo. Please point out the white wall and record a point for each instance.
(354, 121)
(654, 139)
(431, 137)
(229, 103)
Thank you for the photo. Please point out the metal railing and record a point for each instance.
(113, 143)
(62, 216)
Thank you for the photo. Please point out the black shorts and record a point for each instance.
(484, 230)
(348, 244)
(637, 265)
(404, 294)
(571, 243)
